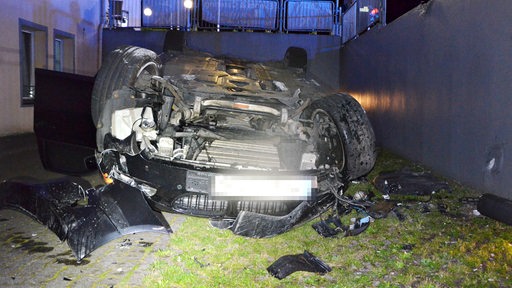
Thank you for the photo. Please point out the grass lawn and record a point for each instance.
(431, 247)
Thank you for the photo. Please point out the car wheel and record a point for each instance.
(125, 66)
(343, 135)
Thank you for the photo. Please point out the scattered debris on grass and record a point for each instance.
(406, 182)
(425, 241)
(289, 264)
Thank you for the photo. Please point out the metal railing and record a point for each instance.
(254, 15)
(286, 16)
(309, 16)
(165, 14)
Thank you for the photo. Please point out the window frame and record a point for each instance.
(68, 59)
(39, 59)
(58, 54)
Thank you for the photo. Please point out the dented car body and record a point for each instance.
(257, 148)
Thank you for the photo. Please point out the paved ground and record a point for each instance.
(32, 256)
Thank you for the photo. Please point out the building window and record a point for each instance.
(33, 54)
(58, 56)
(27, 66)
(63, 51)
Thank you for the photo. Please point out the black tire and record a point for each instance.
(125, 66)
(351, 145)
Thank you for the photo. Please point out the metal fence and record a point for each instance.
(309, 16)
(286, 16)
(165, 14)
(230, 14)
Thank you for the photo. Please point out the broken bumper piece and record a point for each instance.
(289, 264)
(256, 225)
(331, 226)
(85, 218)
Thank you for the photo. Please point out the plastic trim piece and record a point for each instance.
(85, 218)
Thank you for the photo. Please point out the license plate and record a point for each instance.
(273, 188)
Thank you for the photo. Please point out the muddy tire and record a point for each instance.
(125, 66)
(345, 134)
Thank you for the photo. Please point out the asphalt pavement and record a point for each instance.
(33, 256)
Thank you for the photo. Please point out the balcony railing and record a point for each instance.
(279, 16)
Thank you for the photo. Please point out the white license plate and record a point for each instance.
(277, 188)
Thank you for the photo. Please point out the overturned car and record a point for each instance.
(255, 147)
(227, 140)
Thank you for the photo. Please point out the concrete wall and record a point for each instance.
(436, 84)
(113, 38)
(259, 46)
(79, 18)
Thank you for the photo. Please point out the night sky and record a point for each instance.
(396, 8)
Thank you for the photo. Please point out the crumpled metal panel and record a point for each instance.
(86, 219)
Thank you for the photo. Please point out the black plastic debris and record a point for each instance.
(442, 208)
(84, 217)
(332, 226)
(256, 225)
(409, 183)
(425, 208)
(496, 207)
(381, 209)
(401, 217)
(326, 229)
(289, 264)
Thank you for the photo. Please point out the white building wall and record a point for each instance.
(80, 18)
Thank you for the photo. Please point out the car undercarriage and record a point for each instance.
(224, 139)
